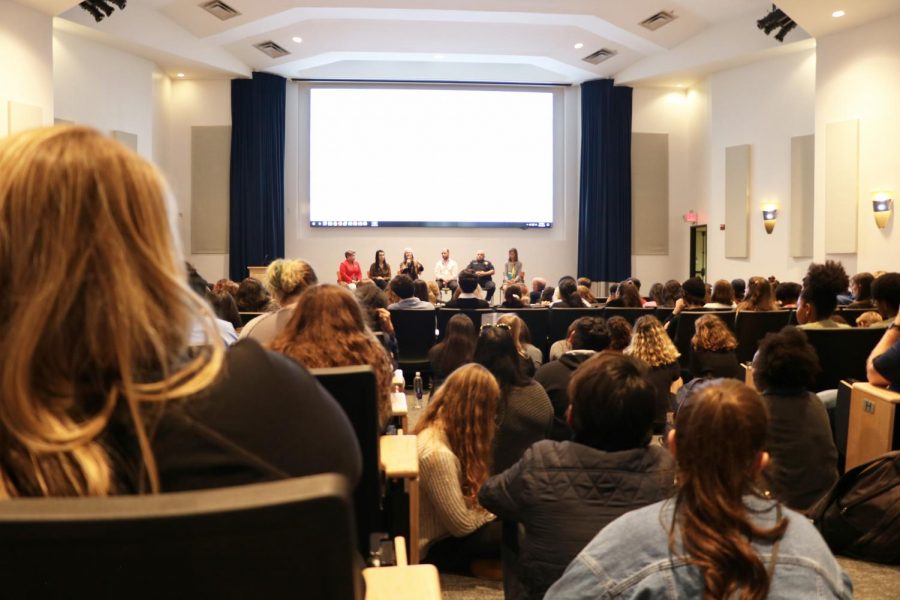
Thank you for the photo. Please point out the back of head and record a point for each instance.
(886, 289)
(672, 292)
(619, 333)
(287, 277)
(496, 351)
(252, 296)
(863, 283)
(651, 343)
(759, 295)
(568, 292)
(547, 294)
(590, 333)
(513, 297)
(402, 285)
(586, 294)
(585, 281)
(787, 293)
(371, 298)
(656, 294)
(821, 286)
(228, 285)
(785, 362)
(719, 440)
(740, 287)
(722, 292)
(420, 290)
(468, 281)
(629, 294)
(694, 292)
(711, 334)
(458, 344)
(225, 307)
(95, 302)
(613, 403)
(517, 326)
(326, 318)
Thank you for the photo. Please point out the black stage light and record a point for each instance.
(100, 9)
(776, 19)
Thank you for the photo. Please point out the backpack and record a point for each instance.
(860, 516)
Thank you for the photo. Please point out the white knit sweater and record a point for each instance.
(443, 510)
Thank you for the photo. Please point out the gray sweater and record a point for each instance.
(525, 416)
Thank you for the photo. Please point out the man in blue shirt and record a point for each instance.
(883, 366)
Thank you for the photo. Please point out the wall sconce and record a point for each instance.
(770, 215)
(690, 217)
(883, 207)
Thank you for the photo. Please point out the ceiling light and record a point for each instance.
(438, 57)
(579, 46)
(180, 75)
(297, 39)
(838, 13)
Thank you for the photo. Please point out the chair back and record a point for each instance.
(561, 317)
(536, 321)
(246, 317)
(684, 331)
(664, 312)
(752, 326)
(415, 334)
(354, 388)
(266, 540)
(842, 354)
(629, 314)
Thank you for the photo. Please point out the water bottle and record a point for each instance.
(398, 384)
(418, 388)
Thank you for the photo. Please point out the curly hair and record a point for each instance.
(288, 277)
(465, 409)
(785, 360)
(821, 286)
(619, 333)
(328, 329)
(759, 295)
(651, 343)
(711, 333)
(227, 285)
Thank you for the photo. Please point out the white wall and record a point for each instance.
(104, 88)
(682, 114)
(547, 253)
(192, 103)
(858, 77)
(763, 104)
(26, 48)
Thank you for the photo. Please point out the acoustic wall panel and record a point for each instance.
(650, 193)
(841, 186)
(737, 201)
(128, 139)
(210, 170)
(803, 154)
(24, 116)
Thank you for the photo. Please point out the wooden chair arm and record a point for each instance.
(882, 393)
(398, 456)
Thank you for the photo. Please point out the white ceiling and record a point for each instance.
(463, 40)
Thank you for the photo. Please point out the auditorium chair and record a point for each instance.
(414, 330)
(752, 326)
(663, 313)
(629, 314)
(536, 321)
(290, 538)
(559, 319)
(842, 354)
(872, 428)
(246, 317)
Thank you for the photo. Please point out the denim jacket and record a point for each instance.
(630, 558)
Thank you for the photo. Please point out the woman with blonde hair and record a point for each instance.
(453, 439)
(99, 391)
(713, 350)
(651, 344)
(719, 537)
(286, 279)
(531, 355)
(328, 329)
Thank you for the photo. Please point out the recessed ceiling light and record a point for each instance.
(297, 39)
(438, 57)
(579, 46)
(180, 75)
(838, 13)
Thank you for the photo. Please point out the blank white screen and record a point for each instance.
(444, 156)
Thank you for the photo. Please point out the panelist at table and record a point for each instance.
(446, 271)
(484, 271)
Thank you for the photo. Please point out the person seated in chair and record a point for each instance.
(609, 462)
(886, 295)
(468, 283)
(405, 289)
(446, 271)
(484, 271)
(883, 365)
(537, 287)
(818, 298)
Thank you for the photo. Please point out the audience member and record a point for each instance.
(409, 266)
(627, 296)
(656, 296)
(374, 304)
(568, 295)
(227, 331)
(739, 286)
(886, 294)
(588, 335)
(870, 318)
(560, 347)
(226, 285)
(861, 291)
(693, 297)
(434, 292)
(328, 329)
(405, 290)
(285, 279)
(718, 538)
(512, 298)
(787, 293)
(103, 358)
(586, 295)
(547, 294)
(722, 296)
(456, 349)
(799, 441)
(883, 365)
(609, 462)
(531, 355)
(759, 296)
(253, 297)
(585, 281)
(524, 415)
(650, 343)
(619, 333)
(713, 350)
(537, 286)
(672, 292)
(420, 291)
(484, 272)
(818, 297)
(380, 270)
(466, 298)
(225, 307)
(349, 273)
(446, 271)
(453, 440)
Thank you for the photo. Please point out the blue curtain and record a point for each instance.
(604, 225)
(256, 224)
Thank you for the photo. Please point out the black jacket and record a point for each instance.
(563, 493)
(554, 377)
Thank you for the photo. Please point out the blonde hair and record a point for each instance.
(287, 277)
(712, 334)
(651, 343)
(95, 310)
(464, 408)
(516, 327)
